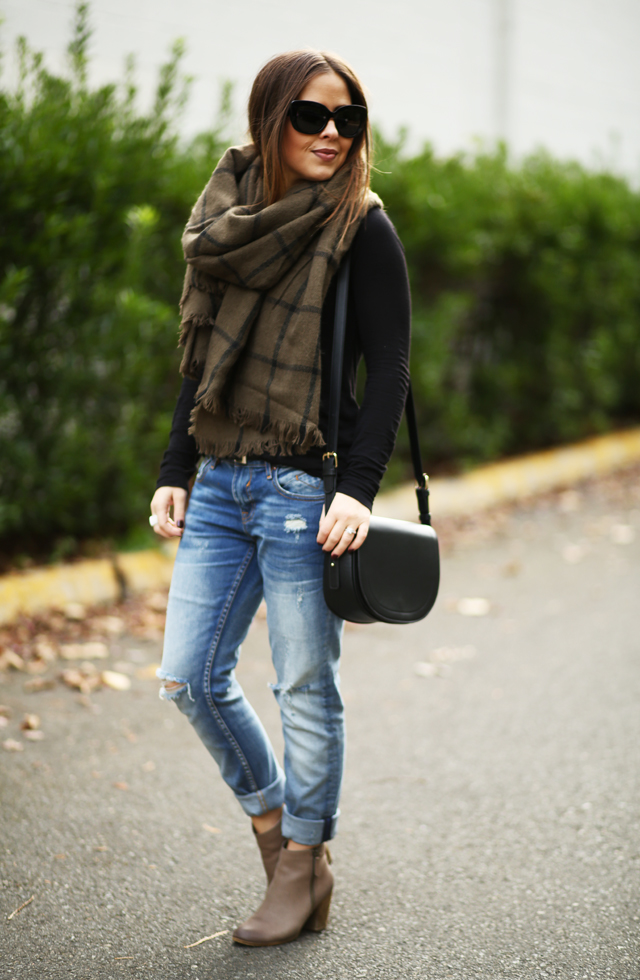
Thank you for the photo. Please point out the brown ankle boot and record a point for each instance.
(298, 898)
(270, 843)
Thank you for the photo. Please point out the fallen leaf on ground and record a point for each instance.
(81, 680)
(30, 721)
(84, 651)
(153, 620)
(148, 766)
(158, 601)
(622, 534)
(71, 651)
(5, 711)
(573, 553)
(39, 684)
(123, 786)
(212, 830)
(206, 939)
(44, 649)
(116, 681)
(75, 611)
(3, 721)
(34, 736)
(11, 745)
(20, 908)
(147, 673)
(473, 606)
(9, 658)
(569, 501)
(108, 624)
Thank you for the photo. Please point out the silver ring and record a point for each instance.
(153, 520)
(351, 530)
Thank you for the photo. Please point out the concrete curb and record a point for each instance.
(102, 580)
(517, 479)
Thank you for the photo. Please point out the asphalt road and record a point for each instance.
(491, 810)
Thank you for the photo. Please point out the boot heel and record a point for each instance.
(317, 921)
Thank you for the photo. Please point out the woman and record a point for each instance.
(262, 245)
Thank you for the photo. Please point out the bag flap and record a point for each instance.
(399, 569)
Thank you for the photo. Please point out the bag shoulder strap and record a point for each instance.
(330, 458)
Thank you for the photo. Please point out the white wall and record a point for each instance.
(577, 79)
(560, 73)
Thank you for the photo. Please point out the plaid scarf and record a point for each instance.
(256, 280)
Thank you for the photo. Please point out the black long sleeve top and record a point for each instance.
(378, 326)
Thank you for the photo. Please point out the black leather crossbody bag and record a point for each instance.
(394, 576)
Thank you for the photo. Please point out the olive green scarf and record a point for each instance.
(256, 280)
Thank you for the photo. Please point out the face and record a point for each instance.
(317, 157)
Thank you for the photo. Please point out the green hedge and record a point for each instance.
(526, 291)
(93, 200)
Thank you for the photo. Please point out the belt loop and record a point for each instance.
(267, 469)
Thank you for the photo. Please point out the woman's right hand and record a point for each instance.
(163, 500)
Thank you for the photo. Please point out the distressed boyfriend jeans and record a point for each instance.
(250, 531)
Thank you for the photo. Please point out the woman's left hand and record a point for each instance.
(345, 516)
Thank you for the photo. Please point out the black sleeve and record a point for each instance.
(382, 302)
(181, 455)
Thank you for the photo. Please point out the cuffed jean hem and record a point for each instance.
(310, 832)
(263, 800)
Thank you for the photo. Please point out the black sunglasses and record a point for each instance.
(312, 117)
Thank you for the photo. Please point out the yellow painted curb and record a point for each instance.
(515, 479)
(49, 588)
(143, 570)
(89, 582)
(96, 581)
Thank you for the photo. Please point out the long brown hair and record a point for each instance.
(276, 85)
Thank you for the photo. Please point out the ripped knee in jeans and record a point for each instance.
(172, 689)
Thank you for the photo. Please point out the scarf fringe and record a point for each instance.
(280, 434)
(195, 320)
(228, 449)
(281, 439)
